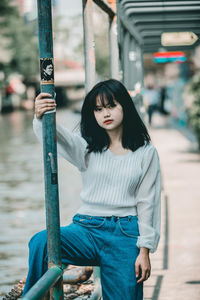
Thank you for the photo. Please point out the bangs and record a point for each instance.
(104, 96)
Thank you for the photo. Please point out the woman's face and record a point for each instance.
(49, 69)
(109, 118)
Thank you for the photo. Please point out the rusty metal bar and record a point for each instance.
(113, 48)
(89, 44)
(105, 7)
(82, 276)
(97, 293)
(89, 51)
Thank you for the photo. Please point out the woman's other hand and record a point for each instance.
(143, 265)
(43, 104)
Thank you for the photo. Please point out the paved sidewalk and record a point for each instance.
(176, 263)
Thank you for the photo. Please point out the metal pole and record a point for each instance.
(113, 48)
(126, 44)
(132, 57)
(89, 44)
(49, 142)
(141, 57)
(120, 38)
(89, 55)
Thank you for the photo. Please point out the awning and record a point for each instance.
(147, 20)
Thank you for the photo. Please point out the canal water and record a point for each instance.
(22, 191)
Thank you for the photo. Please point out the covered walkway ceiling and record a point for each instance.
(147, 20)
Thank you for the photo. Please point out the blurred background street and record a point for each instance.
(168, 100)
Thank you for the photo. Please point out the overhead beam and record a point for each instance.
(164, 18)
(105, 7)
(162, 5)
(155, 48)
(150, 33)
(164, 10)
(157, 41)
(174, 26)
(131, 29)
(157, 3)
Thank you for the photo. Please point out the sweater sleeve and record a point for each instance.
(70, 146)
(149, 200)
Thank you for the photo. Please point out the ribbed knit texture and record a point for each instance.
(118, 185)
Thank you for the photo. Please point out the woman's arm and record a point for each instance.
(149, 201)
(70, 146)
(148, 209)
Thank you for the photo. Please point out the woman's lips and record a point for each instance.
(108, 122)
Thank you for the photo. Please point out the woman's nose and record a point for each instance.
(106, 112)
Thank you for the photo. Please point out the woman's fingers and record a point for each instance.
(137, 270)
(142, 277)
(42, 105)
(42, 95)
(44, 101)
(43, 110)
(145, 275)
(53, 104)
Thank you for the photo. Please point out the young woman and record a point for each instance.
(118, 223)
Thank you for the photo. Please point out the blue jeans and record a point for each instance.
(108, 242)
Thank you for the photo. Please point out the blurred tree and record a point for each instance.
(24, 45)
(101, 23)
(20, 41)
(102, 57)
(6, 10)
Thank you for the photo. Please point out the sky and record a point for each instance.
(64, 7)
(69, 7)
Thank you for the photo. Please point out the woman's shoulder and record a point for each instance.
(149, 149)
(147, 146)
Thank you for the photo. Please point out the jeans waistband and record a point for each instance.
(115, 218)
(109, 218)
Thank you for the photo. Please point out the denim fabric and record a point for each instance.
(108, 242)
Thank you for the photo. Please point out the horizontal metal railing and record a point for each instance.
(44, 284)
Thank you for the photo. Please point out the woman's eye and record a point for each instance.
(97, 109)
(111, 106)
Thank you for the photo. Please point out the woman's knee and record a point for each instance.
(39, 239)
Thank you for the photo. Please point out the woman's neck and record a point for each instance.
(115, 136)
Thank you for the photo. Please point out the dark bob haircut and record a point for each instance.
(134, 131)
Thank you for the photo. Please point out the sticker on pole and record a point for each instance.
(47, 71)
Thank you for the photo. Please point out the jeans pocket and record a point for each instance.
(129, 226)
(88, 221)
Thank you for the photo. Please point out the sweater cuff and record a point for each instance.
(152, 245)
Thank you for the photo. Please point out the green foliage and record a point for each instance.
(101, 24)
(21, 42)
(6, 10)
(194, 110)
(102, 56)
(24, 45)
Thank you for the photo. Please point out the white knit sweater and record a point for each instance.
(119, 185)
